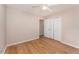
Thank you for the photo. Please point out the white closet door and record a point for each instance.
(57, 29)
(47, 28)
(52, 28)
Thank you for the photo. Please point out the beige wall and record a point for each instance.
(70, 26)
(21, 26)
(2, 28)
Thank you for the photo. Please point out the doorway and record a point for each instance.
(41, 27)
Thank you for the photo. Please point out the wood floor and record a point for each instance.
(42, 45)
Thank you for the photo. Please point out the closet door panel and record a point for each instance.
(57, 29)
(51, 28)
(46, 28)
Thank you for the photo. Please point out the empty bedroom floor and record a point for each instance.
(42, 45)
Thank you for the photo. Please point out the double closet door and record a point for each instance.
(52, 28)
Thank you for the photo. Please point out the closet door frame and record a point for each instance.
(51, 31)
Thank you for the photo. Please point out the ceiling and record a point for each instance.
(36, 9)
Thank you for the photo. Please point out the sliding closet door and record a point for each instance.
(57, 29)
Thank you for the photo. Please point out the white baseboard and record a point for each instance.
(17, 43)
(22, 41)
(75, 46)
(69, 44)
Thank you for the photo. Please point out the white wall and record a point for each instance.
(2, 28)
(70, 26)
(21, 26)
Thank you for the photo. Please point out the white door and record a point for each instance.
(52, 28)
(47, 28)
(57, 29)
